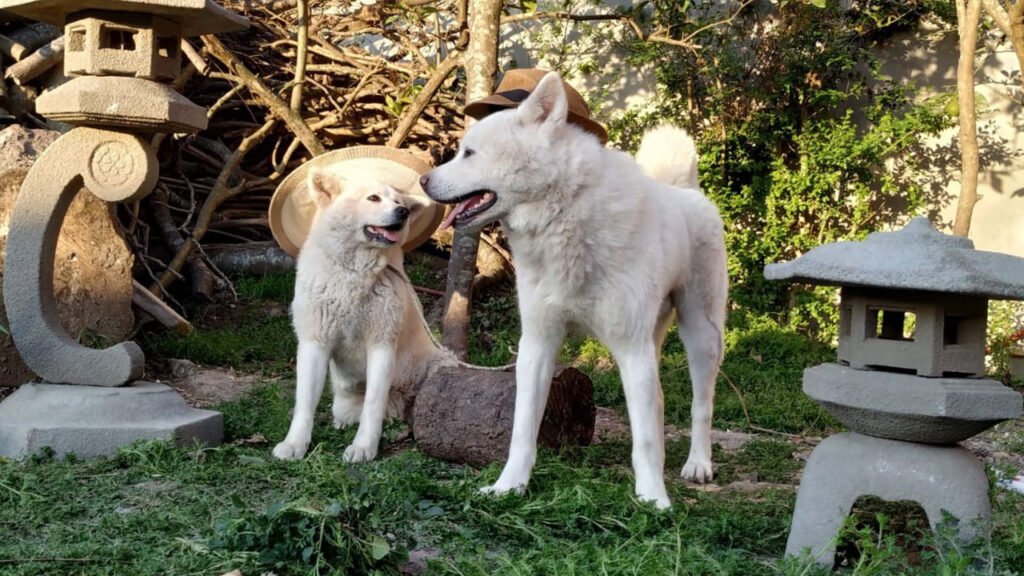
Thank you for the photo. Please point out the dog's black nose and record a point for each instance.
(424, 181)
(402, 212)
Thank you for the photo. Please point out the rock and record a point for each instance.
(465, 414)
(92, 276)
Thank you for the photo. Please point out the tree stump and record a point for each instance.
(465, 415)
(92, 277)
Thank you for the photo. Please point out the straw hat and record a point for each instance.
(292, 209)
(517, 84)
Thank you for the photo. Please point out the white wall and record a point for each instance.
(929, 59)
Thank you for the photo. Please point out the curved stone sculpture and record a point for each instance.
(116, 167)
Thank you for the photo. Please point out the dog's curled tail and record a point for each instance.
(668, 154)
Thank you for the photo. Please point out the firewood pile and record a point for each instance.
(354, 72)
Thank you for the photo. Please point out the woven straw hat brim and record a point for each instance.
(292, 210)
(497, 102)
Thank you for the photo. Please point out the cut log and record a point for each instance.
(32, 66)
(465, 415)
(159, 310)
(252, 259)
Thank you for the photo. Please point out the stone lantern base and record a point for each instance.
(846, 466)
(92, 421)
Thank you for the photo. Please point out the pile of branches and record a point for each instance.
(304, 79)
(307, 77)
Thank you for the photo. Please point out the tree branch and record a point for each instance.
(218, 195)
(301, 56)
(265, 95)
(422, 99)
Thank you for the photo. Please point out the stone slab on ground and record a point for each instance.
(911, 408)
(95, 421)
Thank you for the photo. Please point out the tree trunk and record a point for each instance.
(1009, 17)
(968, 13)
(481, 67)
(465, 414)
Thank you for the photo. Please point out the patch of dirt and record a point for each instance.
(202, 387)
(743, 486)
(608, 425)
(418, 558)
(992, 445)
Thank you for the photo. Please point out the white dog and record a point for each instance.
(354, 311)
(602, 246)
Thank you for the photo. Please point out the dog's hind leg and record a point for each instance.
(701, 324)
(311, 371)
(380, 363)
(535, 364)
(638, 365)
(348, 401)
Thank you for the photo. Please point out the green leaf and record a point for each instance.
(379, 548)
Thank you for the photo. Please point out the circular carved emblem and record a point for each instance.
(112, 164)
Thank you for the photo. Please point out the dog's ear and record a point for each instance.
(324, 186)
(547, 104)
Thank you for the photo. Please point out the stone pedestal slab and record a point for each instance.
(95, 421)
(911, 408)
(846, 466)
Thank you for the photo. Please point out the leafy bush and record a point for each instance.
(803, 141)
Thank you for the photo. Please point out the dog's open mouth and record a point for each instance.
(386, 235)
(469, 207)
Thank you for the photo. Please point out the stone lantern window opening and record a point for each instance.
(891, 324)
(76, 39)
(117, 38)
(167, 46)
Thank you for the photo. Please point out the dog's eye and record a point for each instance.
(373, 198)
(467, 152)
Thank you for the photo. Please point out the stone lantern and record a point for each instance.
(909, 381)
(121, 55)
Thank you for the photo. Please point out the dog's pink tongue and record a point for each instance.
(389, 234)
(454, 213)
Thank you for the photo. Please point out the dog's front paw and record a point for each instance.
(358, 453)
(290, 451)
(698, 471)
(653, 490)
(498, 488)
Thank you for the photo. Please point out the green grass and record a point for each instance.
(157, 509)
(247, 339)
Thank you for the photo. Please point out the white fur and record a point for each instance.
(355, 316)
(600, 246)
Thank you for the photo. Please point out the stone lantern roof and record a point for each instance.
(914, 258)
(195, 16)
